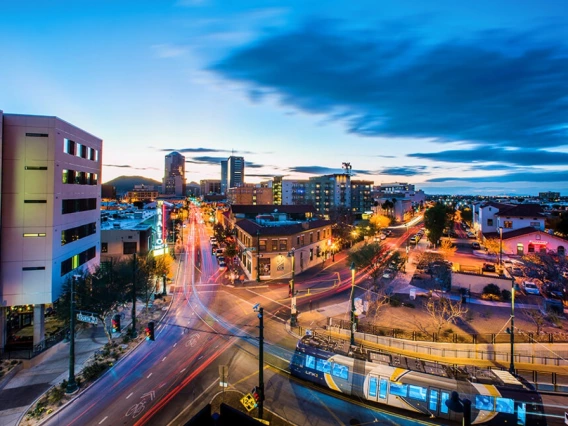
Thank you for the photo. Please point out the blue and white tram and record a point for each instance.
(420, 386)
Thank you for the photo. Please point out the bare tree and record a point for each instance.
(493, 245)
(536, 317)
(447, 248)
(444, 311)
(375, 301)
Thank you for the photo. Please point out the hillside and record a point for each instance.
(126, 183)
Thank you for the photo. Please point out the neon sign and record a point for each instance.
(160, 228)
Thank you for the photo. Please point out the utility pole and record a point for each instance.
(258, 255)
(293, 312)
(353, 325)
(133, 332)
(512, 365)
(71, 383)
(260, 310)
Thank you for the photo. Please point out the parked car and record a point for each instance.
(470, 235)
(530, 288)
(221, 258)
(475, 245)
(413, 239)
(388, 273)
(213, 240)
(222, 265)
(219, 252)
(516, 271)
(489, 267)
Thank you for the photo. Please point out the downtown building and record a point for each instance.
(174, 175)
(235, 172)
(330, 194)
(50, 221)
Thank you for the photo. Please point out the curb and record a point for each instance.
(6, 379)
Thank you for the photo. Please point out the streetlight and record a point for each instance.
(260, 310)
(460, 406)
(71, 383)
(512, 330)
(333, 247)
(353, 325)
(293, 313)
(500, 247)
(258, 255)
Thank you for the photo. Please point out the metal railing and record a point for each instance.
(24, 351)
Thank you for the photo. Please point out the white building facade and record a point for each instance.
(51, 195)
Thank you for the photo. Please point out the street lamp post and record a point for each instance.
(258, 255)
(353, 325)
(71, 383)
(512, 331)
(133, 332)
(500, 247)
(293, 312)
(260, 310)
(333, 252)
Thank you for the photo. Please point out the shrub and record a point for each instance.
(394, 301)
(505, 295)
(490, 296)
(55, 395)
(492, 289)
(126, 338)
(91, 372)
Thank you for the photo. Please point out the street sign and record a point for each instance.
(87, 317)
(248, 402)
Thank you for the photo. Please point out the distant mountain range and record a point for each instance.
(124, 184)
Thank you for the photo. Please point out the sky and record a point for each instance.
(454, 97)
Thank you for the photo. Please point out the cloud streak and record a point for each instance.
(496, 88)
(519, 157)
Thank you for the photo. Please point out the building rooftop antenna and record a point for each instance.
(347, 167)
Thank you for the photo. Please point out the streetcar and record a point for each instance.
(497, 397)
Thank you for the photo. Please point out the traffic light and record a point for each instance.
(256, 394)
(150, 331)
(116, 324)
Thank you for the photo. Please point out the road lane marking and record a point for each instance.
(129, 395)
(182, 370)
(149, 375)
(175, 345)
(101, 422)
(163, 359)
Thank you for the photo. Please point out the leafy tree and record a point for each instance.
(342, 233)
(146, 279)
(162, 269)
(467, 215)
(546, 267)
(380, 221)
(436, 219)
(447, 248)
(562, 225)
(219, 232)
(231, 250)
(493, 245)
(388, 206)
(367, 258)
(100, 292)
(444, 311)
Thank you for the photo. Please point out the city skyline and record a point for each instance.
(446, 98)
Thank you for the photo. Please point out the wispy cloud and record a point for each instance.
(404, 171)
(545, 176)
(496, 88)
(520, 157)
(199, 150)
(169, 50)
(128, 166)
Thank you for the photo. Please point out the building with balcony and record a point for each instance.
(249, 193)
(361, 197)
(330, 194)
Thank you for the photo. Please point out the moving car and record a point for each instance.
(470, 234)
(388, 273)
(489, 267)
(530, 288)
(475, 245)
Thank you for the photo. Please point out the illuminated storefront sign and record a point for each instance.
(160, 228)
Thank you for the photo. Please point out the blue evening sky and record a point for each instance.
(455, 97)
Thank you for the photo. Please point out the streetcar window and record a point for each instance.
(298, 360)
(323, 365)
(443, 406)
(398, 389)
(433, 404)
(521, 414)
(484, 402)
(383, 388)
(310, 362)
(373, 387)
(504, 405)
(340, 371)
(417, 392)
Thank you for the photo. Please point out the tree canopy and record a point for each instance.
(436, 219)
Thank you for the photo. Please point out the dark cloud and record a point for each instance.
(553, 176)
(251, 165)
(320, 170)
(496, 88)
(262, 175)
(404, 171)
(127, 166)
(519, 157)
(206, 160)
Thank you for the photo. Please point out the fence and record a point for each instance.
(449, 337)
(33, 350)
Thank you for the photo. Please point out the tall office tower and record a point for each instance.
(277, 190)
(224, 176)
(235, 171)
(330, 193)
(174, 175)
(51, 196)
